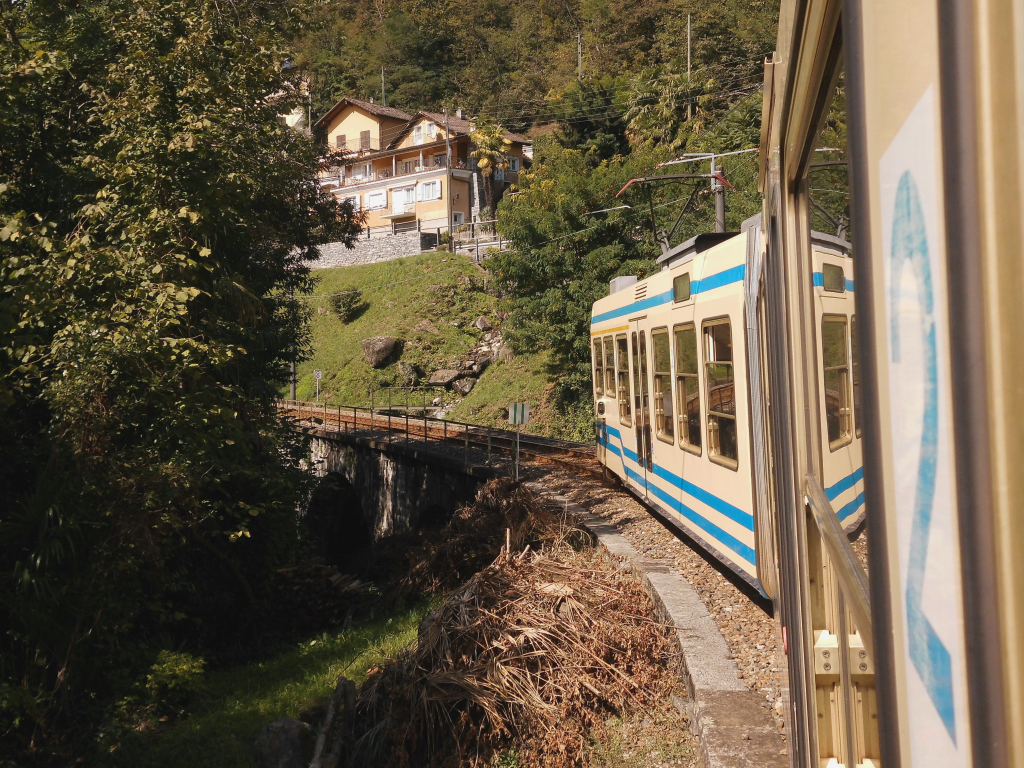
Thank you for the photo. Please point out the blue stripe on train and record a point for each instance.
(848, 509)
(845, 484)
(710, 283)
(819, 282)
(696, 518)
(734, 513)
(737, 546)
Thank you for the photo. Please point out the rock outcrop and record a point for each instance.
(282, 744)
(381, 350)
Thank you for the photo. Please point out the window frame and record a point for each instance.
(855, 375)
(660, 419)
(689, 288)
(424, 185)
(846, 438)
(685, 443)
(824, 282)
(624, 393)
(513, 164)
(714, 444)
(371, 206)
(609, 367)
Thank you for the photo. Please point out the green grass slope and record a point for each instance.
(444, 289)
(449, 291)
(239, 701)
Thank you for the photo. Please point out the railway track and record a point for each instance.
(380, 422)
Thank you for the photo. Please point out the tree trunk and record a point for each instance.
(489, 194)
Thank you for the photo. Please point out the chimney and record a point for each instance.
(460, 114)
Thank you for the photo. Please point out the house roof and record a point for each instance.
(374, 109)
(457, 125)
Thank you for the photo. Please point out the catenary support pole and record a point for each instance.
(719, 189)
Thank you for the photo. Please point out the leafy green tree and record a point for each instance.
(562, 258)
(155, 219)
(491, 154)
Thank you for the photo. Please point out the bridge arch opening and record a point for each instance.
(433, 517)
(336, 525)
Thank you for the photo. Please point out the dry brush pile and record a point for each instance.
(534, 652)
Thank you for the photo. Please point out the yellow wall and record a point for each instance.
(351, 121)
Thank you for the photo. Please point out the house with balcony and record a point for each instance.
(408, 172)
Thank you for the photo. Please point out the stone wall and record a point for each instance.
(375, 249)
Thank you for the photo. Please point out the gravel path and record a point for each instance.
(748, 630)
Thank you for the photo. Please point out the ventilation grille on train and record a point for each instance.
(641, 292)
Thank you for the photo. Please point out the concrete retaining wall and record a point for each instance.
(375, 249)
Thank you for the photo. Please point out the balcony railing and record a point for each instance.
(387, 173)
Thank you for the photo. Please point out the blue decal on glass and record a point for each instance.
(910, 245)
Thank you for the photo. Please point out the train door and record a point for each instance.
(641, 401)
(823, 601)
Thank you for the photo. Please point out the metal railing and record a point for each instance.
(852, 580)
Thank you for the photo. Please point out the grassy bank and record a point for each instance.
(397, 296)
(238, 702)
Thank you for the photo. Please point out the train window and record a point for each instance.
(609, 367)
(598, 369)
(687, 390)
(833, 278)
(855, 359)
(663, 421)
(681, 288)
(622, 356)
(837, 379)
(718, 370)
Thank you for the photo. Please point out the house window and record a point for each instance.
(687, 389)
(364, 140)
(404, 198)
(377, 200)
(408, 165)
(837, 379)
(417, 134)
(431, 130)
(718, 371)
(368, 170)
(513, 164)
(339, 141)
(353, 200)
(622, 355)
(439, 160)
(430, 190)
(609, 366)
(458, 217)
(663, 422)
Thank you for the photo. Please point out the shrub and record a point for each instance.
(347, 305)
(176, 679)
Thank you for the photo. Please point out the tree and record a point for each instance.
(562, 257)
(491, 154)
(154, 220)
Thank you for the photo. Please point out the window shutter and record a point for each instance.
(438, 195)
(364, 139)
(419, 192)
(339, 140)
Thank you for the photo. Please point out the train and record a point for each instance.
(778, 391)
(680, 392)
